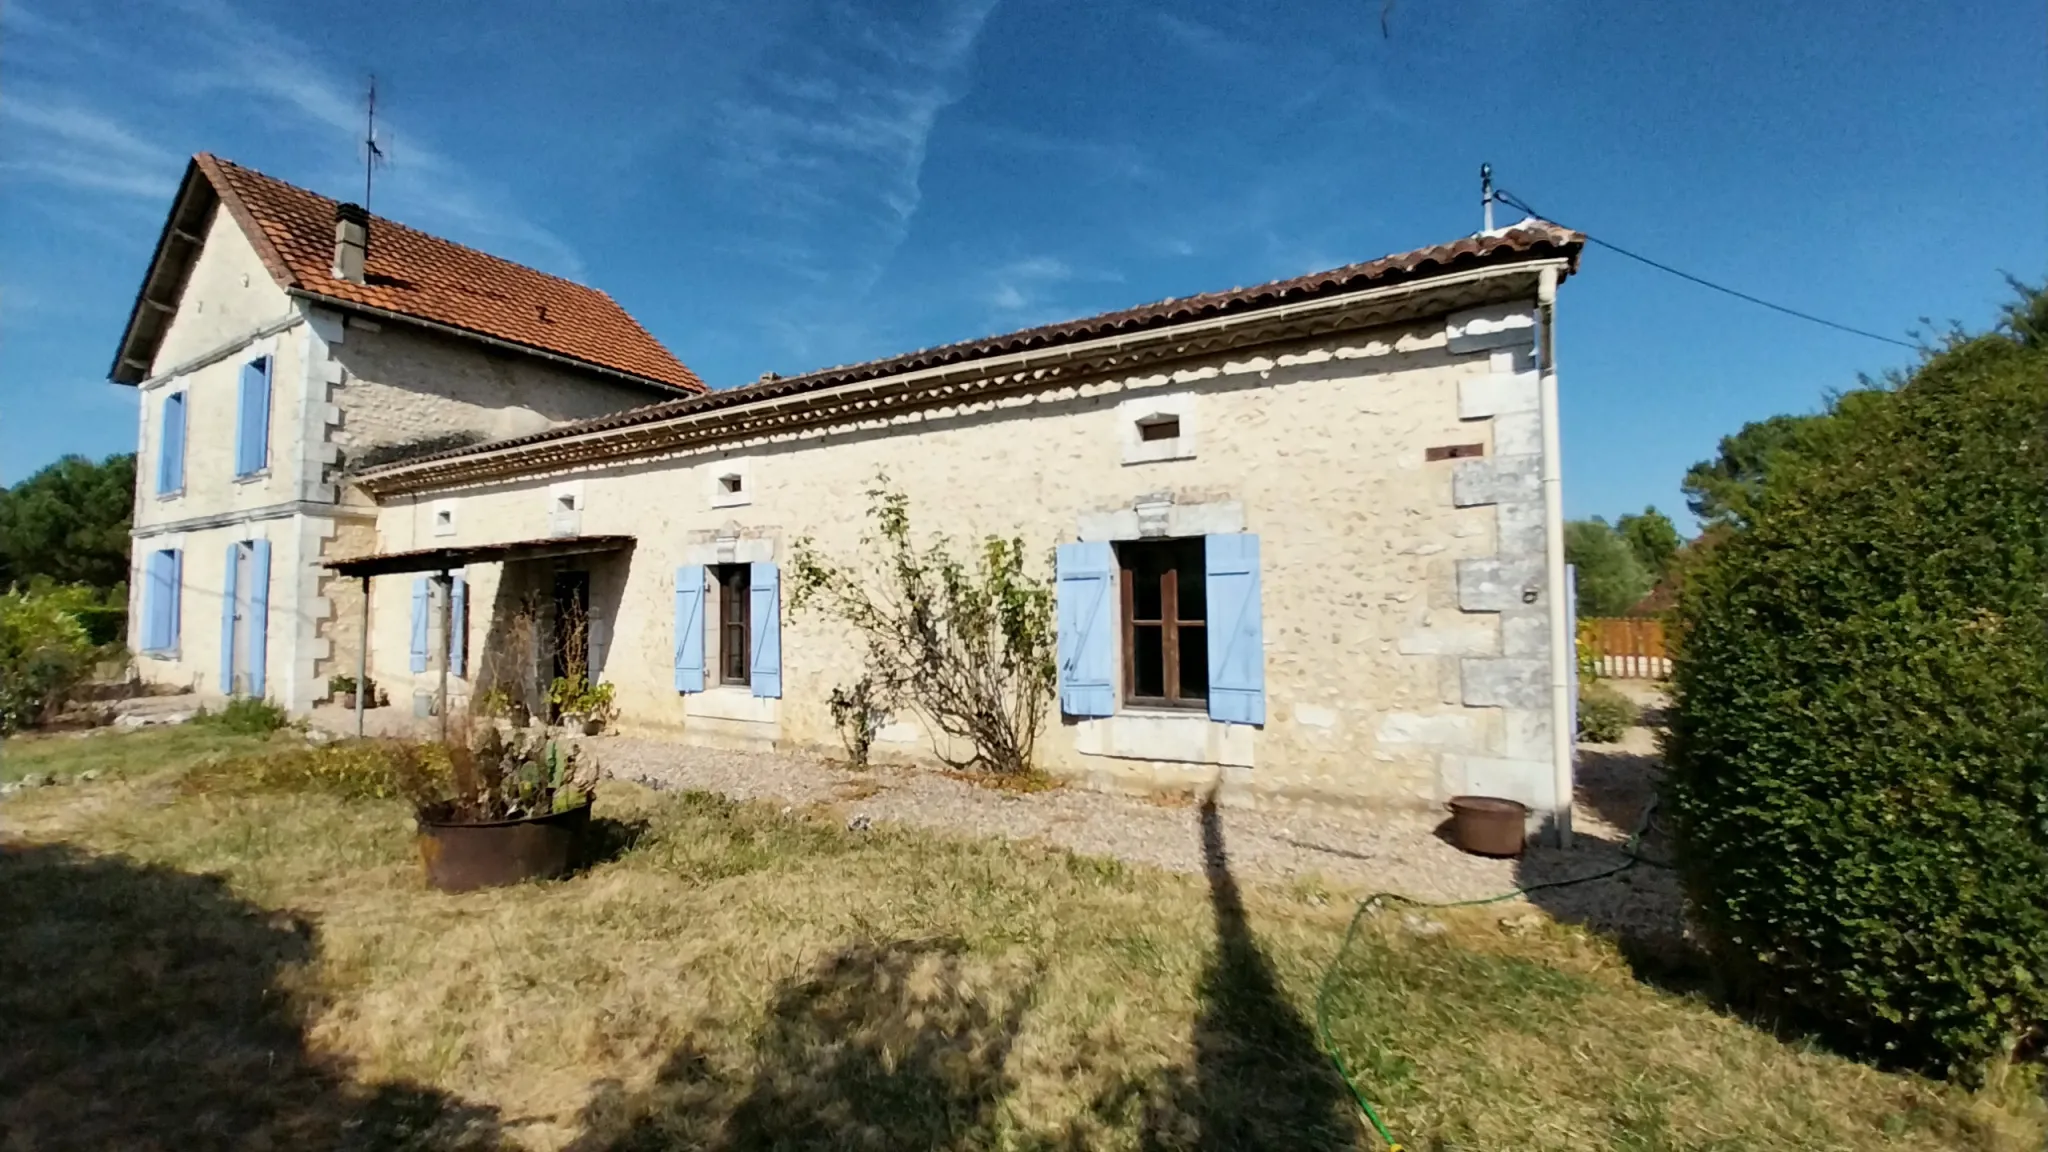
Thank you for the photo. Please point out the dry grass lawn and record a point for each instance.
(224, 970)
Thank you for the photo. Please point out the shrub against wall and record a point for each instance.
(46, 650)
(967, 643)
(1859, 742)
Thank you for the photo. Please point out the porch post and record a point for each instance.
(363, 659)
(447, 584)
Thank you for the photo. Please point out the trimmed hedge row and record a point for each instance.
(1859, 744)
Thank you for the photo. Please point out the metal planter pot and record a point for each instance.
(465, 857)
(1488, 825)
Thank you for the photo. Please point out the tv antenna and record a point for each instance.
(372, 154)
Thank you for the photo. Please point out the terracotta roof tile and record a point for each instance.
(413, 274)
(1532, 239)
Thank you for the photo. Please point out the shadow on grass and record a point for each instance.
(1258, 1079)
(606, 839)
(149, 1008)
(894, 1045)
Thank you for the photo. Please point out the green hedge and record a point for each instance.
(1859, 745)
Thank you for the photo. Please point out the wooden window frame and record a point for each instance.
(735, 623)
(1169, 624)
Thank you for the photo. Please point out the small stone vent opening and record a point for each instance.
(732, 484)
(1161, 427)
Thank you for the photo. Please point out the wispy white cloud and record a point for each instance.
(226, 58)
(1021, 284)
(58, 141)
(255, 62)
(1203, 40)
(826, 150)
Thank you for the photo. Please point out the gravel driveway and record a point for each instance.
(1358, 851)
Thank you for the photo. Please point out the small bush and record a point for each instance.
(245, 716)
(351, 769)
(1858, 758)
(858, 713)
(1605, 715)
(46, 651)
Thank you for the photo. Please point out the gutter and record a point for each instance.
(1011, 370)
(672, 391)
(1563, 741)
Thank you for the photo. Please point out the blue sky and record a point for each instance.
(783, 184)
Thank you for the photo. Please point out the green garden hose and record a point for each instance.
(1629, 847)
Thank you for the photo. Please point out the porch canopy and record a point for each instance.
(443, 561)
(449, 559)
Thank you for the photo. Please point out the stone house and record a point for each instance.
(280, 340)
(1305, 537)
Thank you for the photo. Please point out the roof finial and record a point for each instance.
(1486, 195)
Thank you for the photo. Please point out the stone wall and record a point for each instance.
(404, 385)
(1396, 613)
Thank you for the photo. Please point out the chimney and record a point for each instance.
(351, 242)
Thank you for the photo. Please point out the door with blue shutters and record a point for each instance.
(245, 618)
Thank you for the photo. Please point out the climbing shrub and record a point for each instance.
(967, 643)
(1858, 755)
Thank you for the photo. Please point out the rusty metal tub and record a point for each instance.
(464, 857)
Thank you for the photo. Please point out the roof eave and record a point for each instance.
(626, 436)
(136, 352)
(648, 383)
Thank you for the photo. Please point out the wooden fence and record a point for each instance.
(1628, 647)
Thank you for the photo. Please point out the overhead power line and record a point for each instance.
(1508, 198)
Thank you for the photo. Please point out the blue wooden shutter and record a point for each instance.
(258, 623)
(764, 616)
(458, 627)
(1237, 636)
(419, 623)
(156, 603)
(170, 458)
(177, 565)
(227, 623)
(689, 630)
(1087, 623)
(252, 419)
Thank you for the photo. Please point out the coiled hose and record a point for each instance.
(1631, 848)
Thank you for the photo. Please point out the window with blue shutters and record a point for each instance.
(421, 602)
(170, 448)
(252, 418)
(689, 627)
(1236, 629)
(764, 613)
(1087, 628)
(163, 576)
(1165, 618)
(458, 627)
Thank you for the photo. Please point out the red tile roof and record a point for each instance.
(1530, 240)
(413, 274)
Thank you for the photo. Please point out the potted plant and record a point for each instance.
(343, 688)
(502, 810)
(499, 704)
(584, 707)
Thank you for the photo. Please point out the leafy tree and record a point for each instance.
(2026, 317)
(69, 522)
(1610, 578)
(1653, 538)
(1858, 754)
(967, 643)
